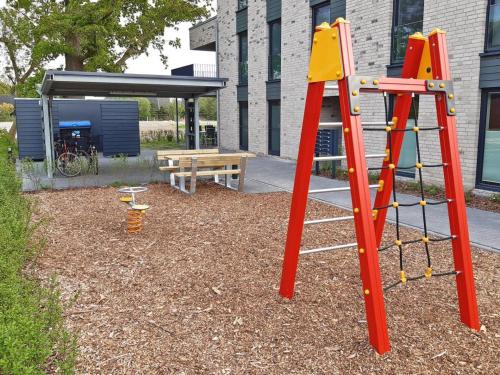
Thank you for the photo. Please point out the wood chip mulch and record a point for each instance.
(197, 291)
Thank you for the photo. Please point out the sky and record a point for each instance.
(176, 56)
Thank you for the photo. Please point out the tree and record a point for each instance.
(92, 35)
(208, 108)
(170, 112)
(144, 108)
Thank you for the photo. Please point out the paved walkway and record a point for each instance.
(268, 174)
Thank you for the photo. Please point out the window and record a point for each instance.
(493, 35)
(243, 58)
(275, 50)
(321, 13)
(408, 19)
(274, 127)
(490, 172)
(242, 4)
(408, 154)
(244, 126)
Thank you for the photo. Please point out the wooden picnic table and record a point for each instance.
(216, 162)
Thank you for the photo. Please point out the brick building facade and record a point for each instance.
(263, 48)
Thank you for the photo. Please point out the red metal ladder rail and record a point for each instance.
(358, 179)
(452, 171)
(369, 233)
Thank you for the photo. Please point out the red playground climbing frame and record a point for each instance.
(425, 72)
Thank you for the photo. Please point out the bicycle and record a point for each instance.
(72, 161)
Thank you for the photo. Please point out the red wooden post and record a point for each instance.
(402, 108)
(454, 187)
(361, 203)
(305, 158)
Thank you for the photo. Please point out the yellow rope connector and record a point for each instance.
(398, 242)
(361, 251)
(388, 129)
(416, 129)
(356, 210)
(425, 239)
(419, 165)
(375, 214)
(381, 185)
(428, 273)
(402, 275)
(367, 291)
(395, 204)
(346, 130)
(375, 82)
(351, 170)
(422, 203)
(363, 81)
(392, 166)
(354, 93)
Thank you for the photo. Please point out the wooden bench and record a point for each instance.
(171, 155)
(220, 164)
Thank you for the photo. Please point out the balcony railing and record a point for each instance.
(196, 70)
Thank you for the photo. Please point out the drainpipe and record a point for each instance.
(218, 75)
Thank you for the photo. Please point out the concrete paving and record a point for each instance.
(112, 171)
(278, 174)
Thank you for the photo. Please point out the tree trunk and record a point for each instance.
(74, 63)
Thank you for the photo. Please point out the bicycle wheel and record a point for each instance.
(69, 164)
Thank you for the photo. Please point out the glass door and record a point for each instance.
(491, 152)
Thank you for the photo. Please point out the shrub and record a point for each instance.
(32, 336)
(6, 111)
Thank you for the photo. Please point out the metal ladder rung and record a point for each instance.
(329, 125)
(337, 124)
(343, 157)
(329, 220)
(338, 247)
(333, 190)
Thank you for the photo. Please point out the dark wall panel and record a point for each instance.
(273, 90)
(119, 119)
(242, 93)
(273, 10)
(338, 9)
(489, 74)
(242, 20)
(29, 129)
(120, 127)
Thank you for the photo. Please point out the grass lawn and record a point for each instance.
(162, 144)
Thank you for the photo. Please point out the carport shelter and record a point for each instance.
(66, 83)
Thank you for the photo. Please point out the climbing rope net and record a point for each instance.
(399, 243)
